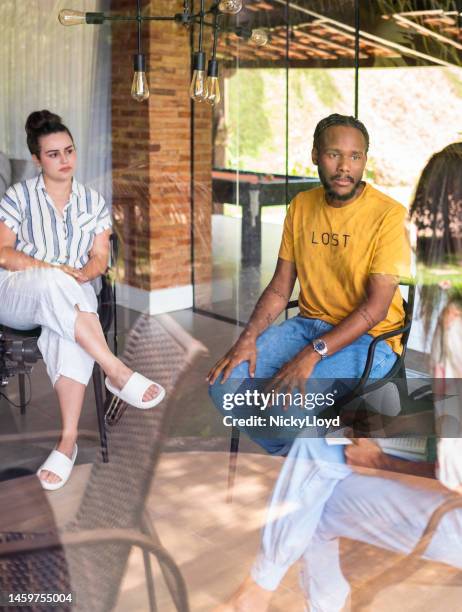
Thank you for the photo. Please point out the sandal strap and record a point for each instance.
(135, 387)
(59, 464)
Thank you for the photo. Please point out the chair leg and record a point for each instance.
(149, 582)
(97, 386)
(22, 392)
(116, 331)
(233, 451)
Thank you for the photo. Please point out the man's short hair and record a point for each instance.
(336, 119)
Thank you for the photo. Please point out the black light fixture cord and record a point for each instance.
(201, 24)
(138, 17)
(357, 36)
(215, 34)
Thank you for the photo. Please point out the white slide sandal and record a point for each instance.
(134, 389)
(59, 464)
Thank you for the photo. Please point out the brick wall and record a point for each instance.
(152, 157)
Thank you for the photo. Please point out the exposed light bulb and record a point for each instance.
(230, 7)
(212, 85)
(68, 17)
(140, 89)
(198, 88)
(213, 91)
(259, 37)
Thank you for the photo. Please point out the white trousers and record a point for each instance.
(318, 498)
(49, 298)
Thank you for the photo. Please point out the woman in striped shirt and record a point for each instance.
(54, 240)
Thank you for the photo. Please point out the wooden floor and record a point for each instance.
(214, 542)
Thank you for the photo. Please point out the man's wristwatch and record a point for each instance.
(320, 347)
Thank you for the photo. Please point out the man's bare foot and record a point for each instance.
(120, 376)
(250, 597)
(65, 446)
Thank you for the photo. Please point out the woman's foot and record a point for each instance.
(250, 597)
(119, 377)
(65, 446)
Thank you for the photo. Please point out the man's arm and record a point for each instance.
(270, 305)
(380, 289)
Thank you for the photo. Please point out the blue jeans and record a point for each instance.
(281, 343)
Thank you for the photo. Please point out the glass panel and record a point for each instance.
(273, 96)
(410, 96)
(248, 145)
(411, 93)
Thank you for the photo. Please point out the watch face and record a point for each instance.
(320, 346)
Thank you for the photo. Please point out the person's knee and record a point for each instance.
(53, 282)
(218, 390)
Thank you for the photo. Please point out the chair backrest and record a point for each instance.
(116, 492)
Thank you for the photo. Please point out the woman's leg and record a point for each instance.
(89, 335)
(55, 300)
(69, 368)
(70, 398)
(321, 577)
(307, 480)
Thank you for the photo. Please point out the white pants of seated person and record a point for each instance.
(318, 499)
(49, 298)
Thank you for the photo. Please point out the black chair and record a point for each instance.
(397, 375)
(107, 315)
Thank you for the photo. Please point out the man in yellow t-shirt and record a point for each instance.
(346, 244)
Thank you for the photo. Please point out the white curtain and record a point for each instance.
(66, 70)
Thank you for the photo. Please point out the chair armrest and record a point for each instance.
(101, 536)
(370, 356)
(452, 503)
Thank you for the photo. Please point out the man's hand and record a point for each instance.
(295, 372)
(270, 305)
(364, 452)
(245, 349)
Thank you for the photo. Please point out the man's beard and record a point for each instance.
(332, 194)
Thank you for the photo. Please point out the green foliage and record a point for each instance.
(319, 80)
(302, 169)
(324, 86)
(248, 126)
(455, 82)
(255, 110)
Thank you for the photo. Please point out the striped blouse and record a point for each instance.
(43, 232)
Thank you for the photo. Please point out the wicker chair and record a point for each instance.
(89, 556)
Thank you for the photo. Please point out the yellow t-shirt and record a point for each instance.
(335, 250)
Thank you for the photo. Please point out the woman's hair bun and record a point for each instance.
(42, 123)
(37, 120)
